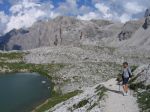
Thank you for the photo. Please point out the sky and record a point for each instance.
(24, 13)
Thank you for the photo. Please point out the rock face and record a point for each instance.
(128, 29)
(66, 31)
(143, 73)
(147, 19)
(5, 39)
(147, 12)
(59, 31)
(147, 22)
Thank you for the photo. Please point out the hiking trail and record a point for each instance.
(116, 102)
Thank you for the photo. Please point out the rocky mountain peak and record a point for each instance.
(147, 22)
(147, 19)
(65, 20)
(147, 12)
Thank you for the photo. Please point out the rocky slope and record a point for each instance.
(91, 100)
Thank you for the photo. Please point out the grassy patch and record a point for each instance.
(98, 88)
(23, 67)
(133, 68)
(143, 97)
(144, 101)
(136, 86)
(132, 80)
(102, 92)
(55, 100)
(12, 55)
(80, 104)
(92, 106)
(98, 48)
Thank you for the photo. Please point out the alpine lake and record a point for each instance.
(22, 92)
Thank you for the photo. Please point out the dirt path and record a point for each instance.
(116, 102)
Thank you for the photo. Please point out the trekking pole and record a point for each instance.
(119, 86)
(130, 91)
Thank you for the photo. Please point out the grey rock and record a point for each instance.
(143, 73)
(59, 31)
(128, 29)
(147, 13)
(147, 22)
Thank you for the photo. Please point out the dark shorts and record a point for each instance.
(125, 81)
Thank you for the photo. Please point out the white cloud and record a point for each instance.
(88, 16)
(25, 14)
(68, 7)
(3, 21)
(124, 18)
(105, 10)
(102, 12)
(53, 15)
(26, 20)
(84, 9)
(23, 6)
(3, 17)
(134, 8)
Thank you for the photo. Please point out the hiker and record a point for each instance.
(125, 77)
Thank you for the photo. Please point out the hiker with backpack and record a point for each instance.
(126, 75)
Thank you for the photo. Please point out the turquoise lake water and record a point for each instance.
(22, 92)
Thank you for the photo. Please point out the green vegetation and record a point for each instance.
(80, 104)
(101, 91)
(12, 55)
(132, 79)
(136, 86)
(144, 101)
(133, 68)
(23, 67)
(143, 94)
(55, 100)
(98, 48)
(92, 106)
(98, 88)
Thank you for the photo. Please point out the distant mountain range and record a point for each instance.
(71, 31)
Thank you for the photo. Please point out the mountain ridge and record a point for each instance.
(52, 32)
(64, 30)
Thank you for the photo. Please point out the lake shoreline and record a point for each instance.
(43, 70)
